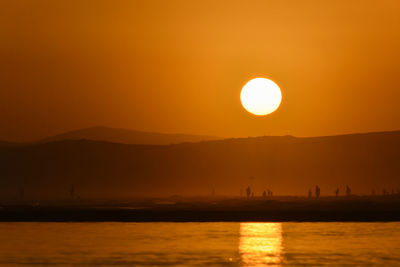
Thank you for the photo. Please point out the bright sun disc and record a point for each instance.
(261, 96)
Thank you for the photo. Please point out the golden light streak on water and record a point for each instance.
(260, 244)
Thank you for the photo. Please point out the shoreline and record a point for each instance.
(225, 211)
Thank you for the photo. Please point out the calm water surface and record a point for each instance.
(200, 244)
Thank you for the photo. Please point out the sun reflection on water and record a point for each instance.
(260, 244)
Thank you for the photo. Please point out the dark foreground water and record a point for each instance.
(199, 244)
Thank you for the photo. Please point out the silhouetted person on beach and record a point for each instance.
(264, 195)
(269, 193)
(384, 192)
(248, 192)
(317, 191)
(337, 192)
(309, 193)
(348, 190)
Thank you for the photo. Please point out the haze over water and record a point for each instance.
(199, 244)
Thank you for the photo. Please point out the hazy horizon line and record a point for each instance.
(43, 139)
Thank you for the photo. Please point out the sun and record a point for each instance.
(261, 96)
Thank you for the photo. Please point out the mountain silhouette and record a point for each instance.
(287, 165)
(124, 136)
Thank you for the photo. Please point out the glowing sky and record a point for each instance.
(179, 66)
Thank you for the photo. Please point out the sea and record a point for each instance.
(200, 244)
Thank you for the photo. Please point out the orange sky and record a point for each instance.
(178, 66)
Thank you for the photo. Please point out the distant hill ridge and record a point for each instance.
(124, 136)
(284, 164)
